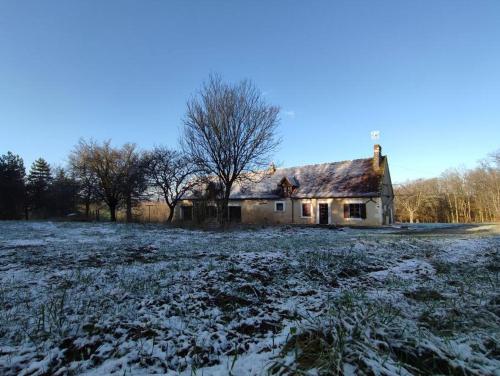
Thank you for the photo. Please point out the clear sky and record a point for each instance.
(424, 73)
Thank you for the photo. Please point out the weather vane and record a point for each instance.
(375, 135)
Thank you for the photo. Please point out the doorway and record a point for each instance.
(323, 214)
(235, 214)
(187, 213)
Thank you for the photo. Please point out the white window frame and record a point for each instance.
(276, 206)
(302, 210)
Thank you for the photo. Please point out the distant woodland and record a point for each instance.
(457, 196)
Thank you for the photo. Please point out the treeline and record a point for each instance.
(229, 131)
(457, 196)
(98, 176)
(45, 191)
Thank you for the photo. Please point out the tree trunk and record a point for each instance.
(112, 212)
(171, 213)
(129, 209)
(222, 212)
(224, 207)
(87, 209)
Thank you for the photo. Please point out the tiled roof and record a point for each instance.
(355, 178)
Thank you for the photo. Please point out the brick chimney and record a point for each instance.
(377, 156)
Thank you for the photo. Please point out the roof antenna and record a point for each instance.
(375, 135)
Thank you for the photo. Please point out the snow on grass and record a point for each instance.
(407, 269)
(101, 299)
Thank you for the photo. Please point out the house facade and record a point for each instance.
(354, 193)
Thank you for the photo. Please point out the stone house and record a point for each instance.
(354, 193)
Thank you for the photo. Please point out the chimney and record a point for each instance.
(377, 156)
(272, 168)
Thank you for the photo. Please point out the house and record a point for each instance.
(356, 192)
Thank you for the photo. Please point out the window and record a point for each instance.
(306, 210)
(211, 211)
(235, 214)
(279, 206)
(286, 190)
(355, 211)
(187, 213)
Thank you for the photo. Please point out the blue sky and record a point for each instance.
(424, 73)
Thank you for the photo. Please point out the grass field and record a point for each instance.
(99, 299)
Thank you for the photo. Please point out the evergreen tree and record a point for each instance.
(63, 194)
(12, 187)
(39, 180)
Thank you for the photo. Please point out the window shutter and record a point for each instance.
(346, 210)
(363, 211)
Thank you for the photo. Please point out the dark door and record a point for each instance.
(323, 214)
(235, 214)
(187, 213)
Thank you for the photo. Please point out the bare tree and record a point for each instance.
(229, 133)
(410, 197)
(491, 186)
(80, 167)
(456, 189)
(495, 159)
(106, 163)
(134, 180)
(171, 173)
(431, 208)
(458, 195)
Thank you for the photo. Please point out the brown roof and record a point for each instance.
(355, 178)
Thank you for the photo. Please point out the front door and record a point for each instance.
(235, 214)
(323, 214)
(187, 212)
